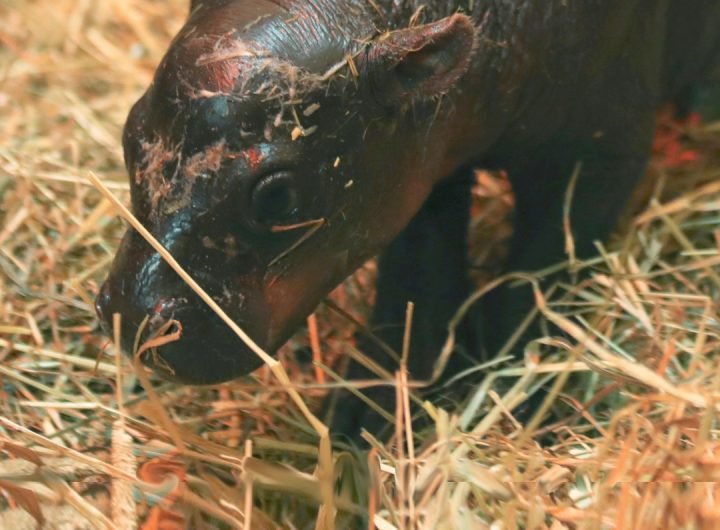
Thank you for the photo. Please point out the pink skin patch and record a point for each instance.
(223, 76)
(222, 65)
(669, 145)
(253, 157)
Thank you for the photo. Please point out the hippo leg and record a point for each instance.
(611, 163)
(426, 264)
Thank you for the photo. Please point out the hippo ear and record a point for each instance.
(421, 61)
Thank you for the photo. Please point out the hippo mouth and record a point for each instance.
(182, 342)
(205, 349)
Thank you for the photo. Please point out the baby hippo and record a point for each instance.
(282, 143)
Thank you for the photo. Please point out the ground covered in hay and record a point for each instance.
(634, 378)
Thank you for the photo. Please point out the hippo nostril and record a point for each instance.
(161, 313)
(102, 301)
(165, 307)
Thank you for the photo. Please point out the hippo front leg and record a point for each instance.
(427, 265)
(609, 161)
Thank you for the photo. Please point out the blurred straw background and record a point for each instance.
(632, 441)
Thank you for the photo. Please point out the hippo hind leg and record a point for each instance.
(608, 167)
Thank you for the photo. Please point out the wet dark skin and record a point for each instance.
(285, 142)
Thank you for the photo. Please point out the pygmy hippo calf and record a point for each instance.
(284, 142)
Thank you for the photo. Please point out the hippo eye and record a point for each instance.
(275, 200)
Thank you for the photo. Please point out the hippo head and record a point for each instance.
(272, 156)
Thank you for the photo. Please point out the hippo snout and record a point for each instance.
(206, 352)
(153, 301)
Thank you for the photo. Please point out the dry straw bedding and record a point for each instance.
(635, 374)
